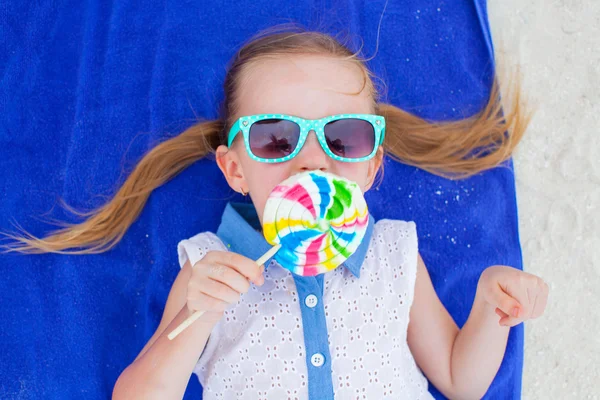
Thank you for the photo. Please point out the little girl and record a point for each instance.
(373, 328)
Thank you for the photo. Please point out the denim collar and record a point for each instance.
(240, 231)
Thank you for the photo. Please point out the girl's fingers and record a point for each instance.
(501, 313)
(203, 302)
(506, 303)
(540, 301)
(509, 321)
(219, 291)
(243, 265)
(506, 320)
(228, 276)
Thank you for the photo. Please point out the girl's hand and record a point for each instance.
(516, 295)
(218, 280)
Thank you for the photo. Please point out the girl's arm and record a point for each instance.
(163, 367)
(463, 363)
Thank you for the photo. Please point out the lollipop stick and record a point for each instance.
(268, 254)
(190, 320)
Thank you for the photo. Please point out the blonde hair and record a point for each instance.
(453, 149)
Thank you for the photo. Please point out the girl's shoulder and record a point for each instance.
(394, 230)
(393, 254)
(196, 247)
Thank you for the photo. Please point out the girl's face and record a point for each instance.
(306, 86)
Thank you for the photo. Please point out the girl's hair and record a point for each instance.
(454, 149)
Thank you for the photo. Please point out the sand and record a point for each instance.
(557, 168)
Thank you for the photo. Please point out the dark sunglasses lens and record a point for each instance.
(350, 137)
(273, 138)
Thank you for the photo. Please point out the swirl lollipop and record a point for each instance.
(319, 220)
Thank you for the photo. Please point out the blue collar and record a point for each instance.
(240, 231)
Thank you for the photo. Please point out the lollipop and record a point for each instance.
(319, 220)
(314, 220)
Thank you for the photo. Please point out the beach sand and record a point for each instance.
(557, 168)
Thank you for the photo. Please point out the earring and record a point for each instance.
(244, 193)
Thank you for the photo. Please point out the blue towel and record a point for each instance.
(88, 87)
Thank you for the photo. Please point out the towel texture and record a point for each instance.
(88, 87)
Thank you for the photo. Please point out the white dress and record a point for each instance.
(257, 351)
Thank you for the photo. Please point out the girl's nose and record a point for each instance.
(312, 156)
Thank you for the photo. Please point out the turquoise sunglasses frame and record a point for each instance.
(244, 124)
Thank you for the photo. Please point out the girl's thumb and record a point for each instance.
(261, 278)
(506, 303)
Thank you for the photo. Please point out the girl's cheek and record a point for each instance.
(265, 179)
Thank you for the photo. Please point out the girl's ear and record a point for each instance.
(229, 163)
(374, 165)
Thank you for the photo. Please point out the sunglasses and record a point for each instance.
(274, 138)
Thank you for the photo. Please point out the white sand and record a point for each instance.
(557, 171)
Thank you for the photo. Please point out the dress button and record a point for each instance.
(317, 359)
(311, 300)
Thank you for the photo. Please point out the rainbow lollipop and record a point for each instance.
(319, 220)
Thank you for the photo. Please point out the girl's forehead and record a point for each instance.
(307, 86)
